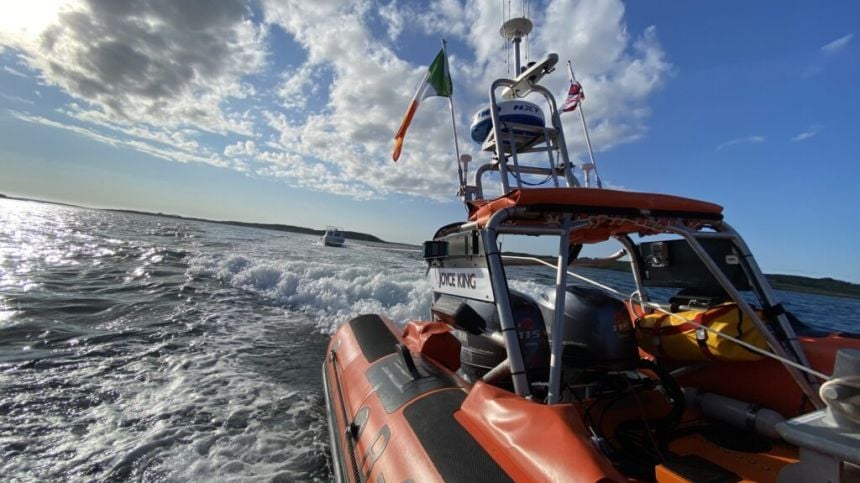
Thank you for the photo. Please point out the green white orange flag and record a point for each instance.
(436, 82)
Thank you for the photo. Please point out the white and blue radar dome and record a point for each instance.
(518, 112)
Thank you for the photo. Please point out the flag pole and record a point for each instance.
(585, 131)
(460, 174)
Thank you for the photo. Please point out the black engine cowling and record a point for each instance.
(478, 354)
(597, 332)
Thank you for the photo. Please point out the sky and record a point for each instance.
(284, 111)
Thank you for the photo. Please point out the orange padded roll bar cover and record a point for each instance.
(533, 441)
(433, 340)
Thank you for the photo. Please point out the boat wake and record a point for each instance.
(328, 291)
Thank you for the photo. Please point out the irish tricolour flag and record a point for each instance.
(436, 82)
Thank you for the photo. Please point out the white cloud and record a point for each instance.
(16, 99)
(182, 139)
(159, 62)
(743, 140)
(394, 21)
(298, 86)
(837, 45)
(827, 54)
(163, 77)
(809, 133)
(167, 153)
(14, 71)
(246, 148)
(367, 98)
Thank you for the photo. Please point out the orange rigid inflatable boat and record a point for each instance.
(696, 373)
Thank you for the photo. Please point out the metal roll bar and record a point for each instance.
(554, 395)
(754, 273)
(497, 135)
(503, 303)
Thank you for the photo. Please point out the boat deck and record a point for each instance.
(718, 453)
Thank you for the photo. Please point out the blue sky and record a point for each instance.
(284, 112)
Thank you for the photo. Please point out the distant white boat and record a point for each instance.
(333, 237)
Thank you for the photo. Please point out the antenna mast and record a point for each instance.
(514, 30)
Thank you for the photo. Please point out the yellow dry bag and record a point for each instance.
(674, 337)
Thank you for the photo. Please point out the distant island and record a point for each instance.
(352, 235)
(821, 286)
(792, 283)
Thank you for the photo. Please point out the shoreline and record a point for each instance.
(793, 283)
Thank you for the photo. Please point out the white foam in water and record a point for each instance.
(328, 291)
(197, 417)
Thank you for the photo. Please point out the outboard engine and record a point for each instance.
(597, 330)
(474, 320)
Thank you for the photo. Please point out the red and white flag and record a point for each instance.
(575, 95)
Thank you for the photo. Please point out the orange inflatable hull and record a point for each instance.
(403, 414)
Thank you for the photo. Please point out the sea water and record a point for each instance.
(159, 349)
